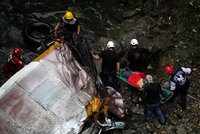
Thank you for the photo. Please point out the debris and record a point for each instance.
(191, 96)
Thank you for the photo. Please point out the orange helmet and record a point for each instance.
(17, 50)
(169, 69)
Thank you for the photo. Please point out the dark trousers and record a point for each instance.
(140, 65)
(68, 37)
(154, 108)
(106, 74)
(183, 94)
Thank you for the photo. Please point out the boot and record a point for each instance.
(150, 127)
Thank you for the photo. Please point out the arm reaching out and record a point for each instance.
(96, 56)
(186, 70)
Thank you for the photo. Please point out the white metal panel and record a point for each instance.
(17, 77)
(36, 75)
(68, 107)
(47, 94)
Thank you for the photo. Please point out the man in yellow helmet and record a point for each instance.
(70, 24)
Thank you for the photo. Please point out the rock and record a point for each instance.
(181, 129)
(190, 62)
(157, 124)
(172, 122)
(154, 14)
(177, 60)
(164, 26)
(185, 120)
(122, 2)
(135, 100)
(188, 108)
(188, 127)
(179, 115)
(145, 42)
(163, 132)
(129, 14)
(198, 106)
(138, 111)
(129, 131)
(126, 131)
(184, 46)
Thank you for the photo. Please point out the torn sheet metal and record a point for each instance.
(47, 96)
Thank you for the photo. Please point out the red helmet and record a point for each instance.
(169, 69)
(17, 50)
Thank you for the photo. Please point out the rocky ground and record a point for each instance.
(158, 29)
(170, 27)
(177, 122)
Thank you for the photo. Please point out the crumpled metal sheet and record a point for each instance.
(48, 96)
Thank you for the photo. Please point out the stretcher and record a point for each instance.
(137, 81)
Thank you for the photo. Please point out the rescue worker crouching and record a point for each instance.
(110, 65)
(179, 83)
(70, 25)
(14, 63)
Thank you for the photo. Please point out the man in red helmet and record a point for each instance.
(14, 63)
(179, 82)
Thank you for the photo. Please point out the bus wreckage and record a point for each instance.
(54, 94)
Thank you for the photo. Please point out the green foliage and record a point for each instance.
(187, 21)
(186, 24)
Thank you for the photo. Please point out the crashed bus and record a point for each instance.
(55, 94)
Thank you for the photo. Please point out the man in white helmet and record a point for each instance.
(135, 56)
(110, 65)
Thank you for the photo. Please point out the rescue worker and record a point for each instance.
(135, 56)
(153, 95)
(179, 83)
(14, 63)
(70, 25)
(110, 65)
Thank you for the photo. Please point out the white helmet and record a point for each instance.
(149, 78)
(110, 44)
(134, 42)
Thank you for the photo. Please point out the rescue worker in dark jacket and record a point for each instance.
(70, 25)
(135, 56)
(179, 83)
(153, 95)
(15, 62)
(110, 65)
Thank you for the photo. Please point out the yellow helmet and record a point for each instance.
(68, 15)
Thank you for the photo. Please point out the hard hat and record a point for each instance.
(17, 50)
(149, 78)
(134, 42)
(68, 15)
(169, 69)
(110, 44)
